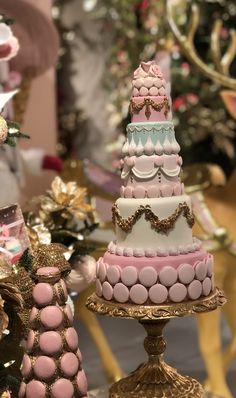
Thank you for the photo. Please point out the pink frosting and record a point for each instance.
(129, 275)
(82, 382)
(148, 276)
(44, 367)
(195, 290)
(69, 364)
(72, 339)
(113, 275)
(107, 290)
(148, 69)
(158, 294)
(79, 355)
(50, 342)
(30, 340)
(138, 294)
(62, 388)
(156, 262)
(121, 293)
(22, 390)
(201, 271)
(206, 286)
(51, 317)
(168, 276)
(35, 389)
(98, 288)
(186, 273)
(43, 294)
(148, 190)
(178, 292)
(26, 366)
(154, 116)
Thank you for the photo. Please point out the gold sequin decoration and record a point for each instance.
(164, 225)
(149, 103)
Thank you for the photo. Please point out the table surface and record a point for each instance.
(99, 393)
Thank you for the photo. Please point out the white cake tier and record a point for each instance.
(143, 234)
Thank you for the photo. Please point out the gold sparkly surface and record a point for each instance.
(148, 103)
(164, 225)
(51, 256)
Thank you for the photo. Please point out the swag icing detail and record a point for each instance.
(149, 103)
(164, 225)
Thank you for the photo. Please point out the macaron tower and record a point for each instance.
(51, 366)
(155, 258)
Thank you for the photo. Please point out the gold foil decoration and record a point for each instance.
(149, 103)
(3, 129)
(68, 198)
(8, 293)
(38, 234)
(164, 225)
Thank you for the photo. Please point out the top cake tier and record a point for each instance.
(149, 102)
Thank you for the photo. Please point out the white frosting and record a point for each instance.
(143, 236)
(171, 251)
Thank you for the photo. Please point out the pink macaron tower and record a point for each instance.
(154, 259)
(51, 366)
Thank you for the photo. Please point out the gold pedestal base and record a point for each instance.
(139, 386)
(156, 379)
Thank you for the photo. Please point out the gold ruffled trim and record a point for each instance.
(164, 225)
(149, 103)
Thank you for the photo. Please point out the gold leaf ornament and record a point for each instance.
(68, 197)
(3, 129)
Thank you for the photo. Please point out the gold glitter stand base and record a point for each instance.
(156, 379)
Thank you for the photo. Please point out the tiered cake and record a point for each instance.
(155, 258)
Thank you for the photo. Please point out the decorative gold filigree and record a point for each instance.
(155, 378)
(149, 103)
(164, 225)
(153, 312)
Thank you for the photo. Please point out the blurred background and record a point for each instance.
(73, 71)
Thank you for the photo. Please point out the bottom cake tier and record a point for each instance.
(156, 280)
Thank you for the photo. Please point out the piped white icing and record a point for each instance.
(148, 147)
(171, 251)
(125, 149)
(132, 147)
(139, 148)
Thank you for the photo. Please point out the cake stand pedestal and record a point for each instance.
(156, 379)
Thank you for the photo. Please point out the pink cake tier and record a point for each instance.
(154, 258)
(155, 280)
(151, 176)
(149, 101)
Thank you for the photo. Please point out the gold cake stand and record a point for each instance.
(156, 379)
